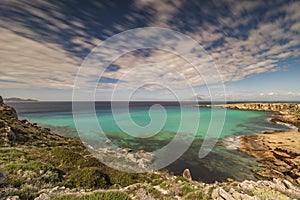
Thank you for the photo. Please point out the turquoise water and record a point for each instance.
(237, 122)
(221, 163)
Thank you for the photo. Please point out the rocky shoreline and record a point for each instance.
(288, 113)
(278, 152)
(36, 163)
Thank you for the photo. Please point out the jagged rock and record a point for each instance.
(10, 135)
(149, 157)
(215, 194)
(131, 157)
(219, 193)
(1, 101)
(2, 124)
(2, 178)
(13, 198)
(225, 195)
(187, 174)
(279, 185)
(141, 151)
(288, 184)
(239, 196)
(247, 186)
(127, 150)
(108, 142)
(43, 196)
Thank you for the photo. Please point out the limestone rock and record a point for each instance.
(215, 194)
(108, 142)
(2, 124)
(225, 195)
(10, 135)
(127, 150)
(13, 198)
(187, 174)
(43, 196)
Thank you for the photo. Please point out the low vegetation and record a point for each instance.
(96, 196)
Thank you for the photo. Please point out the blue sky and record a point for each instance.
(255, 46)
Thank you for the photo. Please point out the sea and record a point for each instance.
(224, 161)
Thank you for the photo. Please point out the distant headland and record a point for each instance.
(16, 99)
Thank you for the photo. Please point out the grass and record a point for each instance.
(96, 196)
(30, 165)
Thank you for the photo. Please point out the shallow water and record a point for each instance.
(223, 162)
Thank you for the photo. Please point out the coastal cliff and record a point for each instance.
(283, 112)
(36, 163)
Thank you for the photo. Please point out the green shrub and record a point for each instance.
(24, 193)
(89, 178)
(66, 157)
(96, 196)
(51, 177)
(155, 193)
(92, 162)
(164, 185)
(124, 179)
(156, 182)
(15, 182)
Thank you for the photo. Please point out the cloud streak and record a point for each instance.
(43, 49)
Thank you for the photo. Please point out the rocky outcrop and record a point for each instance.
(281, 107)
(124, 159)
(284, 112)
(278, 154)
(187, 174)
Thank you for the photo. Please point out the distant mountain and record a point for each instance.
(15, 99)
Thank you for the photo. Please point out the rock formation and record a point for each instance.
(284, 112)
(187, 174)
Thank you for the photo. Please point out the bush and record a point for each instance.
(124, 179)
(15, 182)
(89, 178)
(96, 196)
(66, 158)
(24, 193)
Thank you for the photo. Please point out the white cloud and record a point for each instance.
(28, 63)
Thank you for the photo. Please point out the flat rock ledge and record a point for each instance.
(278, 154)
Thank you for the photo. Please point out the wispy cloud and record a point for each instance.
(43, 48)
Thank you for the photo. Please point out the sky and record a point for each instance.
(241, 50)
